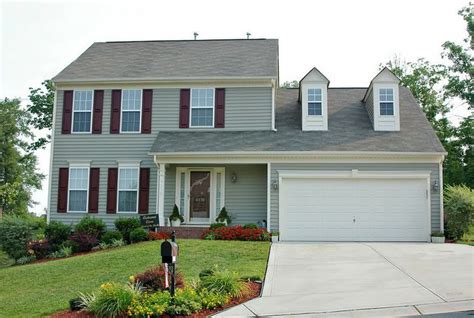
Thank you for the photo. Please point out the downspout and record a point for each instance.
(273, 104)
(441, 190)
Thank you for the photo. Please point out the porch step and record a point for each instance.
(187, 232)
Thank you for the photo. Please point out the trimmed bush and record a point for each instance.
(84, 242)
(175, 215)
(92, 226)
(109, 236)
(127, 225)
(40, 248)
(153, 279)
(15, 233)
(250, 226)
(459, 210)
(236, 233)
(224, 216)
(138, 235)
(216, 225)
(57, 233)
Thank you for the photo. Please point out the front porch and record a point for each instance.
(201, 190)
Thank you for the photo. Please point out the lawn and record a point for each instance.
(39, 289)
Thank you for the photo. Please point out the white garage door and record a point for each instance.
(353, 209)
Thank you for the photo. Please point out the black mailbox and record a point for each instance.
(169, 252)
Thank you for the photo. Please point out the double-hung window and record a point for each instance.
(315, 102)
(131, 110)
(128, 189)
(202, 107)
(78, 189)
(82, 112)
(386, 101)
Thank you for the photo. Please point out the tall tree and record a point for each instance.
(41, 110)
(18, 175)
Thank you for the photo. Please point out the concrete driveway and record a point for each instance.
(364, 279)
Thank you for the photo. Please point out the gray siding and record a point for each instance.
(433, 167)
(369, 105)
(246, 108)
(102, 151)
(246, 199)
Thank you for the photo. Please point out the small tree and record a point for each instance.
(175, 215)
(223, 216)
(459, 210)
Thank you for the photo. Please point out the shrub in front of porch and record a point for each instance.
(236, 233)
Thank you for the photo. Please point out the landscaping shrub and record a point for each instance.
(111, 300)
(158, 236)
(92, 226)
(216, 225)
(15, 233)
(25, 259)
(5, 260)
(84, 242)
(223, 282)
(237, 233)
(149, 305)
(186, 301)
(212, 300)
(138, 235)
(175, 215)
(64, 251)
(223, 216)
(251, 278)
(109, 236)
(153, 279)
(117, 243)
(250, 226)
(57, 233)
(459, 210)
(127, 225)
(40, 248)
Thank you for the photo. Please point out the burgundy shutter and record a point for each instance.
(62, 189)
(97, 116)
(144, 190)
(184, 108)
(94, 190)
(220, 105)
(112, 190)
(67, 112)
(115, 116)
(146, 110)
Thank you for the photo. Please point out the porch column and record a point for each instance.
(161, 193)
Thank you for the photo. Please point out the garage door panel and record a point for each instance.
(354, 209)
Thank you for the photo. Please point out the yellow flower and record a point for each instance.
(131, 278)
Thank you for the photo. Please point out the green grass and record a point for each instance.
(40, 289)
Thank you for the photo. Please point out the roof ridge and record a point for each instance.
(187, 40)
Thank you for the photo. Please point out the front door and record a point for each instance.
(200, 196)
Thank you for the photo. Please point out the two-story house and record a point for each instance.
(203, 124)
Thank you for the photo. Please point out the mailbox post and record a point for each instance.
(169, 254)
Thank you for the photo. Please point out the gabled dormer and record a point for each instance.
(314, 101)
(382, 101)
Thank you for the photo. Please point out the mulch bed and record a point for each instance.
(254, 292)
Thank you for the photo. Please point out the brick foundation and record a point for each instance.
(189, 232)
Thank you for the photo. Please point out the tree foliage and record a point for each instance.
(291, 84)
(437, 88)
(18, 175)
(41, 110)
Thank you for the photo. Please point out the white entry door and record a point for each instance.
(354, 209)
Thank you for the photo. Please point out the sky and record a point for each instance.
(346, 40)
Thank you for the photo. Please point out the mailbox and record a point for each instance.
(169, 252)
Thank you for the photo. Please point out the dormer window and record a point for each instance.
(315, 102)
(386, 101)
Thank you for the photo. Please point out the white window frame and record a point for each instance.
(202, 107)
(184, 211)
(122, 167)
(82, 111)
(78, 166)
(386, 101)
(319, 101)
(122, 111)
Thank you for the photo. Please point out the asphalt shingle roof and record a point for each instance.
(349, 129)
(150, 60)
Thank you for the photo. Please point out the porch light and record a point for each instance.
(275, 185)
(435, 186)
(233, 177)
